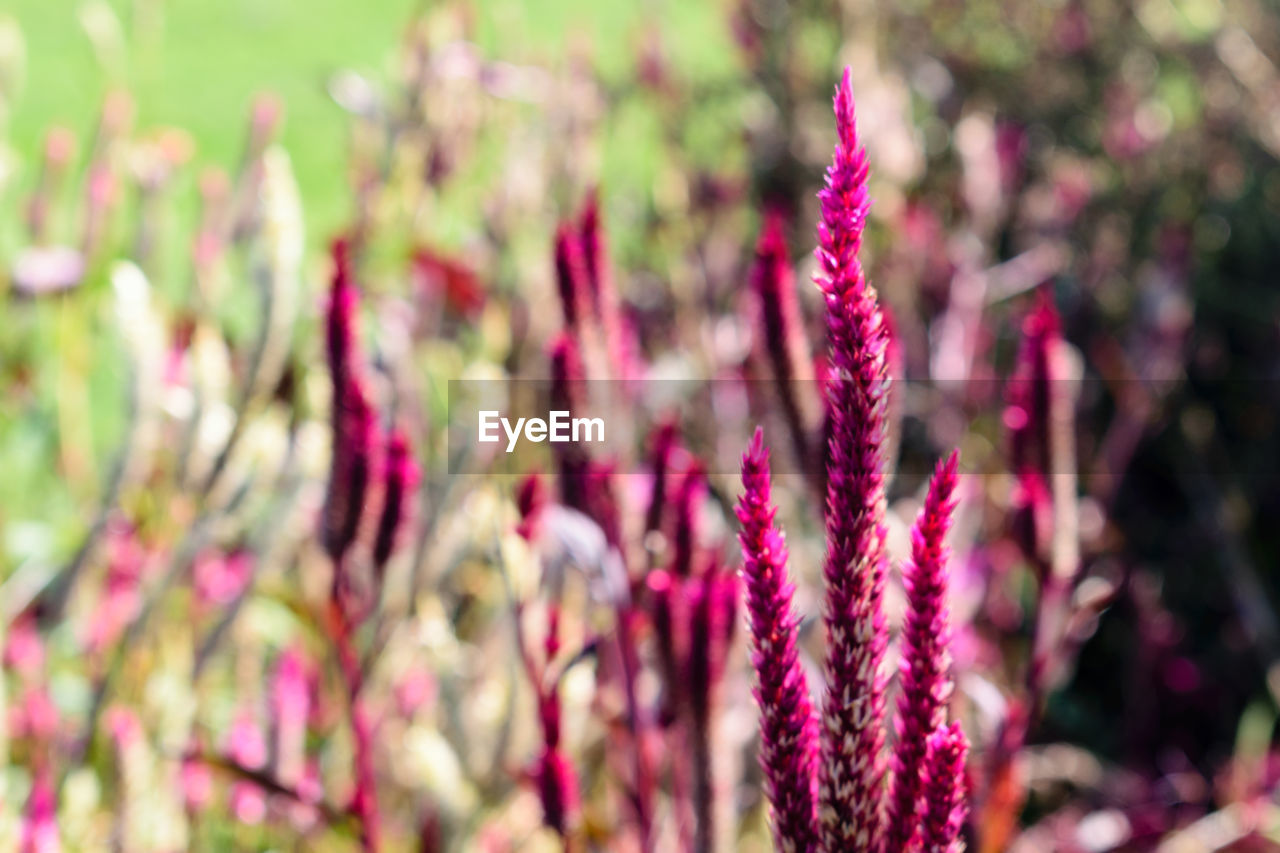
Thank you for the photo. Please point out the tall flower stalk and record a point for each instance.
(852, 765)
(924, 671)
(849, 810)
(788, 726)
(782, 332)
(354, 426)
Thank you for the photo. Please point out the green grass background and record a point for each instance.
(197, 65)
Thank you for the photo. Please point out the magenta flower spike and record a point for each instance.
(595, 255)
(39, 831)
(688, 506)
(350, 470)
(571, 276)
(554, 774)
(566, 390)
(782, 329)
(604, 297)
(942, 807)
(400, 475)
(663, 446)
(1031, 388)
(340, 320)
(531, 498)
(924, 670)
(788, 726)
(852, 767)
(290, 710)
(352, 415)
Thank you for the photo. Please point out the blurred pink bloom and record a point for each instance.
(121, 598)
(290, 710)
(219, 578)
(24, 649)
(530, 499)
(942, 806)
(414, 691)
(39, 832)
(197, 785)
(247, 802)
(34, 716)
(442, 279)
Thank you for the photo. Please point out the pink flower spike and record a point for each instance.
(599, 278)
(554, 774)
(531, 498)
(340, 318)
(924, 670)
(852, 768)
(942, 807)
(350, 469)
(1031, 387)
(782, 329)
(400, 476)
(688, 508)
(571, 276)
(290, 710)
(39, 833)
(788, 726)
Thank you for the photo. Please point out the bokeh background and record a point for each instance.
(164, 432)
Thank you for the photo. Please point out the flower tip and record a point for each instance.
(844, 109)
(949, 740)
(340, 250)
(757, 451)
(1044, 319)
(949, 468)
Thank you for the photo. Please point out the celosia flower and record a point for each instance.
(557, 783)
(350, 469)
(782, 328)
(446, 280)
(247, 748)
(713, 608)
(39, 833)
(24, 651)
(693, 618)
(340, 321)
(566, 390)
(852, 767)
(602, 502)
(400, 475)
(352, 415)
(687, 509)
(121, 596)
(34, 716)
(197, 785)
(604, 298)
(942, 807)
(663, 592)
(924, 671)
(571, 276)
(218, 579)
(788, 727)
(530, 499)
(1027, 414)
(290, 709)
(663, 443)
